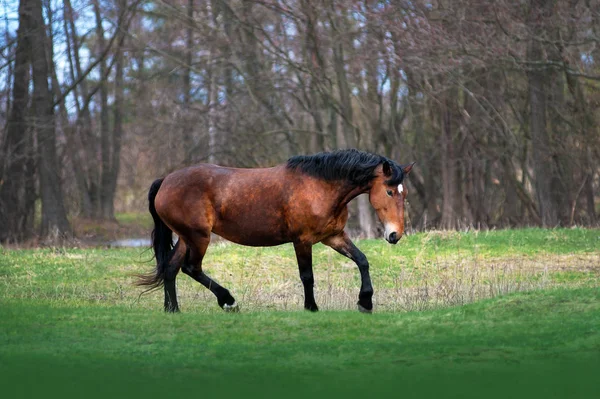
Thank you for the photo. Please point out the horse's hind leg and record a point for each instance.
(192, 266)
(171, 271)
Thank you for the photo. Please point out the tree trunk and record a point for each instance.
(314, 63)
(429, 191)
(54, 217)
(339, 66)
(187, 124)
(228, 81)
(447, 125)
(81, 131)
(109, 187)
(212, 75)
(17, 193)
(189, 42)
(541, 151)
(103, 184)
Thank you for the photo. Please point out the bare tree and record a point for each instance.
(17, 191)
(54, 216)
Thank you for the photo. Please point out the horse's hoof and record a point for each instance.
(362, 309)
(233, 308)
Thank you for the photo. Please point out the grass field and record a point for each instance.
(500, 314)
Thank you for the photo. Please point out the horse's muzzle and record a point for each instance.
(393, 238)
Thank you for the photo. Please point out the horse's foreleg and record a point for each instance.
(342, 244)
(193, 268)
(304, 257)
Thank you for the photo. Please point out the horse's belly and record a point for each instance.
(253, 229)
(252, 240)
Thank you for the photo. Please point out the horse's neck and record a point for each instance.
(349, 192)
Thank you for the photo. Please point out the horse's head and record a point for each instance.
(387, 196)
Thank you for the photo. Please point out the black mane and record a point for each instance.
(352, 165)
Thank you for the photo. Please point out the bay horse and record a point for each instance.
(304, 202)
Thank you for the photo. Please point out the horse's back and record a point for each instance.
(246, 206)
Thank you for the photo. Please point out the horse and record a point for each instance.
(303, 201)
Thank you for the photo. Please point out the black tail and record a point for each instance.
(162, 243)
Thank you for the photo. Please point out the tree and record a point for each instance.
(54, 217)
(17, 191)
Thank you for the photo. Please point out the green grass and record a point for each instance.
(424, 271)
(529, 241)
(91, 232)
(130, 218)
(466, 315)
(543, 344)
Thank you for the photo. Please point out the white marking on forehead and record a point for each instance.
(400, 188)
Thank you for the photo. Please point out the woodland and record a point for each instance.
(496, 101)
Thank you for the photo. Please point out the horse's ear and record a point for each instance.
(408, 167)
(387, 169)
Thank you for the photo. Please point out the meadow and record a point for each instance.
(511, 313)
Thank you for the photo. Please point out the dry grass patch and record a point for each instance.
(425, 271)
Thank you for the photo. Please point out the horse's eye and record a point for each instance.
(389, 192)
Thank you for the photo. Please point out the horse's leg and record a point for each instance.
(171, 271)
(192, 266)
(304, 257)
(342, 244)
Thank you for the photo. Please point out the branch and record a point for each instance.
(102, 55)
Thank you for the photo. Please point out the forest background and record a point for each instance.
(497, 102)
